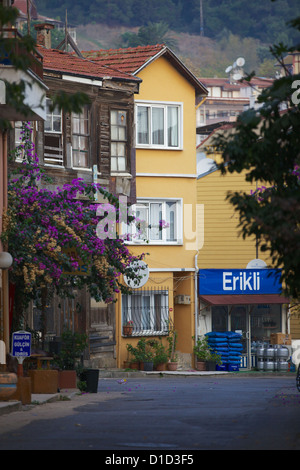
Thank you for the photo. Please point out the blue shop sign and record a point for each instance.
(21, 344)
(239, 281)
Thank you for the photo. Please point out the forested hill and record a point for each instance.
(264, 20)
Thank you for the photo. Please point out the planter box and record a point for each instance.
(43, 381)
(23, 392)
(67, 379)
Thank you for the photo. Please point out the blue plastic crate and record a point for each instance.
(233, 368)
(222, 367)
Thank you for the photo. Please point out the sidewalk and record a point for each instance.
(39, 399)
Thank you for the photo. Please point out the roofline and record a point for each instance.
(108, 76)
(186, 72)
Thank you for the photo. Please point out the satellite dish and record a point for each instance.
(228, 69)
(237, 76)
(240, 61)
(256, 264)
(142, 275)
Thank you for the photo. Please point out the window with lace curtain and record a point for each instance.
(159, 125)
(81, 138)
(118, 136)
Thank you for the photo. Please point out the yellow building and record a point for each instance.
(235, 293)
(165, 124)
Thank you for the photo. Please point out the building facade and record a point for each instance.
(237, 288)
(165, 122)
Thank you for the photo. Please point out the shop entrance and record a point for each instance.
(255, 323)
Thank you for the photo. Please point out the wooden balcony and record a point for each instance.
(14, 53)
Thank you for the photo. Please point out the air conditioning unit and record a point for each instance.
(182, 300)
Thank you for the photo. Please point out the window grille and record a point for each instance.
(148, 310)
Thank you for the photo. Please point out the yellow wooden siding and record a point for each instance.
(224, 246)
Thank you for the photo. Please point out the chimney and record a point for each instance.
(43, 34)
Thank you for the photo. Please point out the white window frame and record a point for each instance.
(119, 141)
(156, 105)
(134, 230)
(52, 159)
(81, 137)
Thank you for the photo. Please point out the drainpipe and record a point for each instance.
(196, 296)
(4, 271)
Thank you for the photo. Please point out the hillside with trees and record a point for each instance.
(208, 35)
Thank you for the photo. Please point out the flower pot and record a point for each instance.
(211, 365)
(160, 367)
(127, 330)
(67, 379)
(172, 365)
(8, 385)
(201, 365)
(148, 365)
(134, 365)
(91, 377)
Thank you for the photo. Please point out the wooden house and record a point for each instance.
(95, 145)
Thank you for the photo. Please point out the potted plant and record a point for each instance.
(172, 356)
(134, 359)
(145, 353)
(128, 328)
(67, 361)
(202, 352)
(212, 360)
(160, 356)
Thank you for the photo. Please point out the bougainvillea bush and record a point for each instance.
(54, 236)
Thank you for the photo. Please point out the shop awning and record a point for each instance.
(244, 299)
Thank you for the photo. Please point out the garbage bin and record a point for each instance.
(91, 377)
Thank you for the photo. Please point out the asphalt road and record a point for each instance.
(164, 415)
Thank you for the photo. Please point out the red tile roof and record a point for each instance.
(133, 59)
(129, 60)
(64, 62)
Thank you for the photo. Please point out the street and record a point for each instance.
(158, 414)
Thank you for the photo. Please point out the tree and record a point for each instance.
(265, 144)
(55, 237)
(153, 33)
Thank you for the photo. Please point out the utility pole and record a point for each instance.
(201, 19)
(28, 17)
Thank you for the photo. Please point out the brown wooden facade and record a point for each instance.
(73, 146)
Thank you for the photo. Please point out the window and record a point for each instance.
(118, 124)
(80, 138)
(148, 310)
(159, 125)
(22, 128)
(156, 221)
(53, 148)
